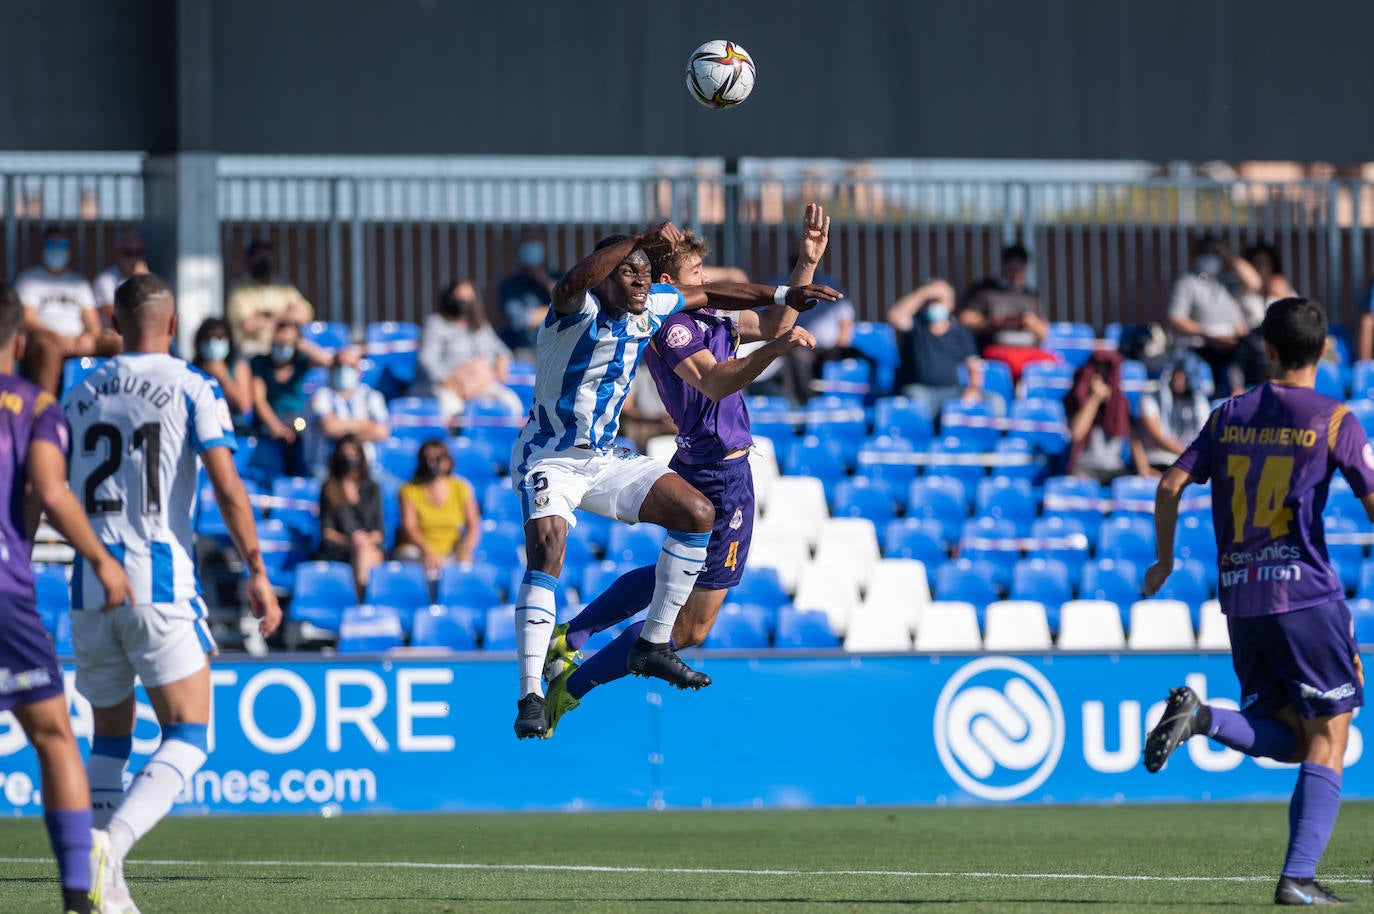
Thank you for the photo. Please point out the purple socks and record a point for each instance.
(627, 595)
(1311, 816)
(69, 830)
(609, 663)
(1259, 736)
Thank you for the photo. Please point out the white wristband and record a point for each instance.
(780, 295)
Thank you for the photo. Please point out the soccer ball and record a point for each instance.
(720, 74)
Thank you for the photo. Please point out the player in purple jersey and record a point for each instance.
(33, 482)
(692, 358)
(1270, 454)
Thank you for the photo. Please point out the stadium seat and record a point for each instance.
(1016, 459)
(499, 502)
(876, 629)
(992, 539)
(1188, 584)
(1017, 625)
(849, 547)
(1133, 495)
(851, 379)
(1113, 580)
(330, 336)
(403, 585)
(1135, 380)
(838, 418)
(831, 590)
(1090, 625)
(1060, 538)
(996, 379)
(887, 458)
(1039, 422)
(499, 633)
(367, 629)
(965, 581)
(1362, 615)
(593, 578)
(444, 626)
(635, 544)
(941, 499)
(1212, 631)
(815, 456)
(1129, 537)
(962, 458)
(763, 461)
(1330, 381)
(1341, 501)
(1195, 539)
(417, 419)
(785, 554)
(804, 629)
(397, 457)
(739, 626)
(321, 592)
(948, 626)
(1046, 380)
(392, 346)
(1347, 553)
(495, 421)
(276, 543)
(1362, 389)
(473, 460)
(1007, 499)
(760, 587)
(771, 417)
(1072, 342)
(1044, 581)
(901, 585)
(797, 505)
(1077, 498)
(467, 585)
(904, 418)
(972, 422)
(296, 503)
(62, 636)
(1160, 625)
(915, 538)
(52, 594)
(878, 341)
(871, 499)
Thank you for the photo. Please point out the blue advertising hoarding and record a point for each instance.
(434, 734)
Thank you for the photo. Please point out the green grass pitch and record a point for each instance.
(1112, 858)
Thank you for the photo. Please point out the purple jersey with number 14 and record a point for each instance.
(1270, 454)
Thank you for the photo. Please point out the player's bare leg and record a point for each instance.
(697, 617)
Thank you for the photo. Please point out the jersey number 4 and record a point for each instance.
(146, 437)
(1270, 513)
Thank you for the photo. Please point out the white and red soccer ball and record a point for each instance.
(720, 74)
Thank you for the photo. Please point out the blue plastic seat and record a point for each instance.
(1077, 498)
(1133, 495)
(905, 418)
(1062, 539)
(878, 341)
(52, 593)
(1114, 580)
(1007, 499)
(1072, 342)
(296, 503)
(1362, 380)
(638, 545)
(276, 543)
(499, 502)
(445, 626)
(1195, 539)
(761, 587)
(1341, 501)
(887, 457)
(1188, 583)
(1362, 614)
(1046, 380)
(1044, 581)
(916, 538)
(397, 457)
(417, 418)
(1363, 409)
(1330, 380)
(1135, 378)
(962, 458)
(1347, 554)
(321, 592)
(474, 462)
(771, 417)
(499, 631)
(1127, 536)
(813, 455)
(941, 499)
(972, 422)
(964, 580)
(403, 585)
(392, 346)
(996, 379)
(848, 378)
(367, 629)
(868, 498)
(474, 586)
(330, 336)
(838, 419)
(1018, 460)
(739, 626)
(990, 538)
(804, 629)
(1041, 423)
(595, 577)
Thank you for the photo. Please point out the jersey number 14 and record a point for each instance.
(1270, 513)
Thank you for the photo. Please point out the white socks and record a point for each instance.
(534, 620)
(157, 786)
(682, 558)
(105, 770)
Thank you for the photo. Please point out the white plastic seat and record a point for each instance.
(875, 630)
(763, 460)
(1161, 625)
(1090, 625)
(901, 585)
(1212, 632)
(949, 626)
(797, 505)
(850, 542)
(1016, 625)
(830, 589)
(786, 555)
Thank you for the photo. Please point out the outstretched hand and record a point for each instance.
(664, 233)
(804, 298)
(1155, 576)
(815, 234)
(797, 338)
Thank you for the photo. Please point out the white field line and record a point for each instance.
(694, 871)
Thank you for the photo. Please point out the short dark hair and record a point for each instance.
(1268, 250)
(1208, 244)
(135, 292)
(1296, 328)
(257, 244)
(1015, 251)
(670, 259)
(53, 230)
(612, 239)
(11, 312)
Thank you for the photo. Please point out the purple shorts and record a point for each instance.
(1307, 658)
(730, 487)
(28, 666)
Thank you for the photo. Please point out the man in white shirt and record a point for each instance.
(346, 406)
(60, 317)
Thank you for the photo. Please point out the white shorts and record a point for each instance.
(159, 643)
(613, 484)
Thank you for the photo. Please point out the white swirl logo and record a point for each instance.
(999, 728)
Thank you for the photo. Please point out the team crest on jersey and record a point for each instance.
(738, 520)
(541, 501)
(678, 336)
(643, 323)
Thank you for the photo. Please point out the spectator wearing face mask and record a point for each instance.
(129, 261)
(351, 528)
(461, 358)
(524, 295)
(1205, 313)
(932, 346)
(216, 355)
(260, 300)
(440, 521)
(279, 392)
(346, 407)
(60, 316)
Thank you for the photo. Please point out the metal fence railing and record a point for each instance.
(370, 246)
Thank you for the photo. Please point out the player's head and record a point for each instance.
(461, 302)
(680, 264)
(1294, 332)
(627, 288)
(11, 315)
(144, 310)
(432, 461)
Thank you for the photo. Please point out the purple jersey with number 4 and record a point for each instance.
(707, 429)
(1270, 454)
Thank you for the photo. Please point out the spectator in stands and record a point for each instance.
(1261, 273)
(261, 300)
(461, 358)
(216, 355)
(1003, 311)
(279, 391)
(1100, 431)
(440, 521)
(1174, 414)
(60, 316)
(129, 261)
(932, 346)
(351, 527)
(524, 294)
(1206, 315)
(347, 407)
(831, 323)
(644, 416)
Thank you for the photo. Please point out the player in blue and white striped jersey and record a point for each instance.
(138, 423)
(586, 355)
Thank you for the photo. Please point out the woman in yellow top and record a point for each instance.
(440, 521)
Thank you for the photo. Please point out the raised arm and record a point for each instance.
(771, 323)
(738, 296)
(568, 292)
(717, 380)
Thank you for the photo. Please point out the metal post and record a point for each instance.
(335, 249)
(355, 255)
(1028, 238)
(730, 230)
(1336, 299)
(11, 228)
(1356, 234)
